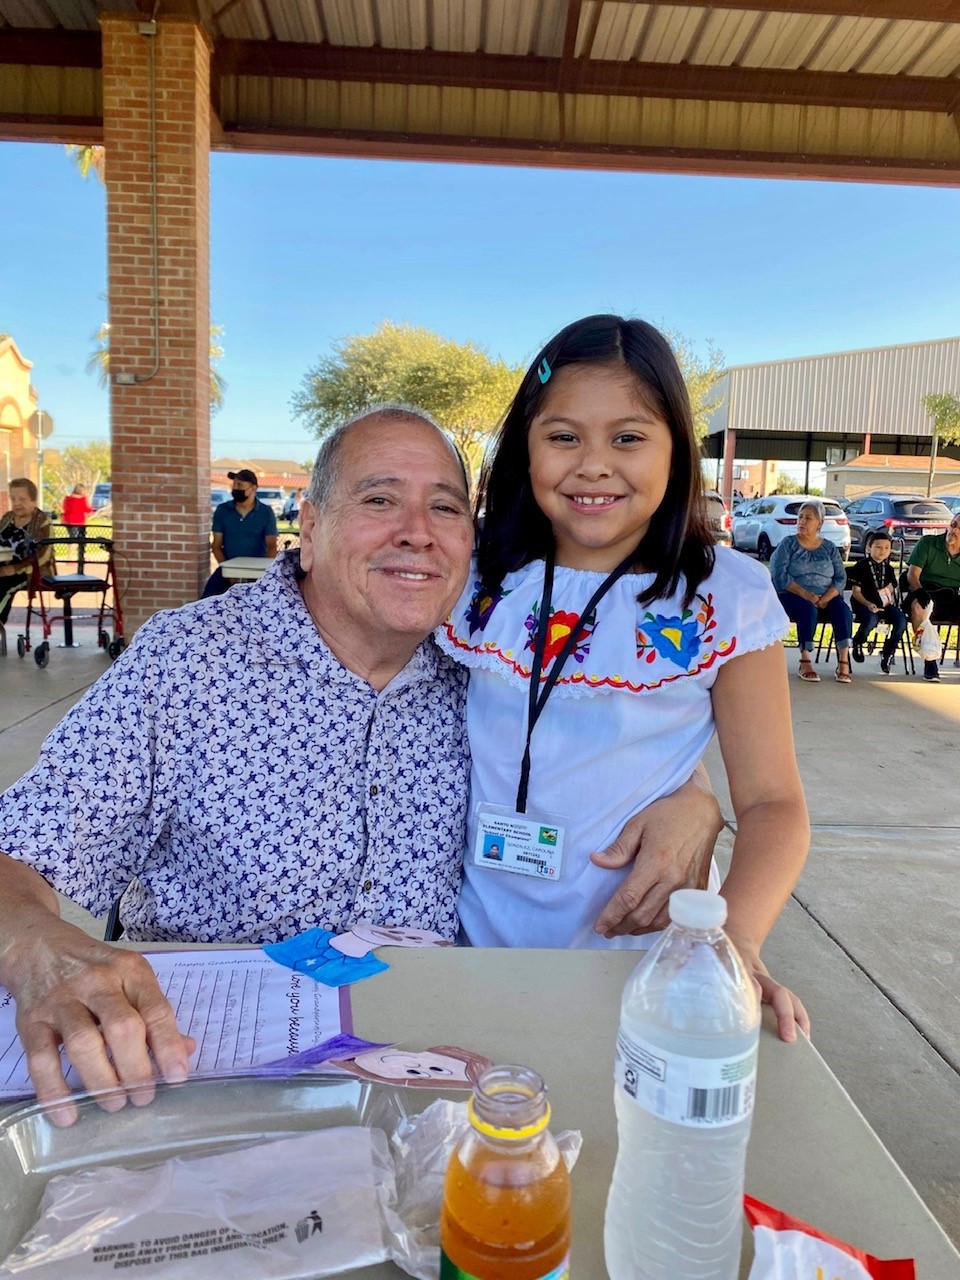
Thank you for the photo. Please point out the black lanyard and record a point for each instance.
(537, 699)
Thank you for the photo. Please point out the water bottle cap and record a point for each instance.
(697, 908)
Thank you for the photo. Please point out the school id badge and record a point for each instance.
(527, 844)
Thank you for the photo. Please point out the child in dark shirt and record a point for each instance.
(874, 599)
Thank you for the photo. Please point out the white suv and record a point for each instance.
(273, 498)
(765, 522)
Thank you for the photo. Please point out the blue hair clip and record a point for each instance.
(544, 371)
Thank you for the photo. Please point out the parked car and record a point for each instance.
(902, 515)
(951, 500)
(101, 495)
(217, 496)
(767, 521)
(719, 517)
(274, 498)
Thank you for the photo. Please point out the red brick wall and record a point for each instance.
(161, 426)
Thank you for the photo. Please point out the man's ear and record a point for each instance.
(308, 520)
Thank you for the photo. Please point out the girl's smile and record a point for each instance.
(599, 464)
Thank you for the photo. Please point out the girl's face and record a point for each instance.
(599, 464)
(880, 548)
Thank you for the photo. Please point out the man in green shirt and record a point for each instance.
(933, 574)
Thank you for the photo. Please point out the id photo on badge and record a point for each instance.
(493, 847)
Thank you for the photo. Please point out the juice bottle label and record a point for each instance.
(702, 1093)
(450, 1271)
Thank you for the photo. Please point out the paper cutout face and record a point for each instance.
(383, 935)
(440, 1067)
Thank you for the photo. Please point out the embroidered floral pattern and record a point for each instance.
(680, 637)
(480, 609)
(558, 629)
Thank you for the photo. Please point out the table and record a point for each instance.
(811, 1152)
(245, 568)
(6, 555)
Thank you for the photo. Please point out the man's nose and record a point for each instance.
(414, 528)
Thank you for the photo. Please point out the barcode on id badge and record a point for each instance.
(537, 862)
(713, 1104)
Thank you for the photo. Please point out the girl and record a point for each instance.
(874, 586)
(606, 639)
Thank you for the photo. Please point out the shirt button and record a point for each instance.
(374, 790)
(367, 886)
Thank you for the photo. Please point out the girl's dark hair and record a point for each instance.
(515, 531)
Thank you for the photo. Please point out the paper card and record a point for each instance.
(316, 953)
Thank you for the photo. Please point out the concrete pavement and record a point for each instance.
(869, 939)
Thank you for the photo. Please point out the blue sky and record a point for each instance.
(305, 250)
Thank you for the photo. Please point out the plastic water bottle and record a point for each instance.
(684, 1086)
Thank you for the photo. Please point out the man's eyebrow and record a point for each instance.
(387, 482)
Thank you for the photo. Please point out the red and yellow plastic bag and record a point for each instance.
(785, 1248)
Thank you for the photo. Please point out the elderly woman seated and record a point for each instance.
(23, 524)
(809, 578)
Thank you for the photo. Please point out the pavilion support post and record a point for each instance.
(729, 454)
(156, 111)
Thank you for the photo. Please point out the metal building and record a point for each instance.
(832, 407)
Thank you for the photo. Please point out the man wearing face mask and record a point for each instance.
(241, 527)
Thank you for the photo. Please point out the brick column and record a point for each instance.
(160, 410)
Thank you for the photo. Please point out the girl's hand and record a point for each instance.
(788, 1007)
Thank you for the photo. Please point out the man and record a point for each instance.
(241, 527)
(933, 575)
(289, 755)
(23, 523)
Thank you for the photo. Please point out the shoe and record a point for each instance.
(858, 653)
(931, 670)
(807, 673)
(843, 675)
(886, 662)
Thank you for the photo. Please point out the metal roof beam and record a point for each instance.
(906, 10)
(619, 79)
(50, 48)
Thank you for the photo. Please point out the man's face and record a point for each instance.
(249, 490)
(953, 535)
(21, 503)
(387, 559)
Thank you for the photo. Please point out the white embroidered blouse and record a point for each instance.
(626, 723)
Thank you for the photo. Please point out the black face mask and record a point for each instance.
(238, 495)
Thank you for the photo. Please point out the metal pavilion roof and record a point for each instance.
(806, 88)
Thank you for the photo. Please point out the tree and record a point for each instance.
(786, 484)
(701, 374)
(98, 361)
(85, 464)
(944, 410)
(459, 384)
(89, 160)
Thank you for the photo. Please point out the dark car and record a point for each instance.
(904, 516)
(718, 517)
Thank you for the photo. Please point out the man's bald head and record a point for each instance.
(326, 469)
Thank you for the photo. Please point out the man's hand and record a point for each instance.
(788, 1007)
(670, 844)
(106, 1008)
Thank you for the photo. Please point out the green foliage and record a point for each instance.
(786, 484)
(98, 362)
(459, 384)
(944, 409)
(89, 160)
(85, 464)
(701, 374)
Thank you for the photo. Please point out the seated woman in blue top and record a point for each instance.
(809, 578)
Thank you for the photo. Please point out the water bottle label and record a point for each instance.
(450, 1271)
(703, 1093)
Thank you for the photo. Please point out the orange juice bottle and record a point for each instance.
(506, 1206)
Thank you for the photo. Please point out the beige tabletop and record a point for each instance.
(811, 1152)
(247, 568)
(6, 554)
